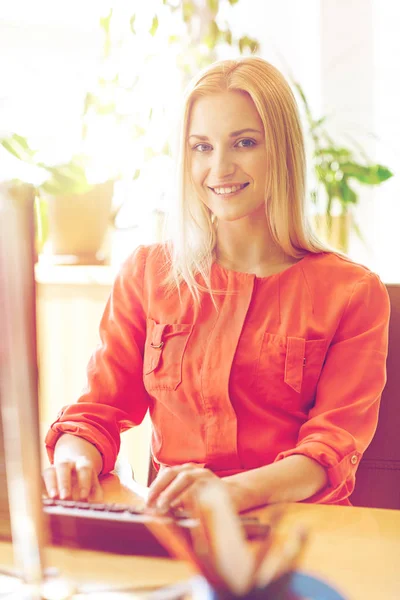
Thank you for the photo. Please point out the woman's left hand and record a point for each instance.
(176, 486)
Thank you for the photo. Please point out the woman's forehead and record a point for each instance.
(223, 112)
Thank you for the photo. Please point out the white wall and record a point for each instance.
(47, 55)
(360, 86)
(386, 19)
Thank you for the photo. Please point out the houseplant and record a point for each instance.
(72, 213)
(335, 169)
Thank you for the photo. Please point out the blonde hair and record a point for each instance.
(192, 249)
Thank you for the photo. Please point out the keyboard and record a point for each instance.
(119, 528)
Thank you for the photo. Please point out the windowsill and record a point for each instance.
(46, 273)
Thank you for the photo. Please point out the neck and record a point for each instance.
(247, 245)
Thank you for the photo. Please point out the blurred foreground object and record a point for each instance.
(20, 470)
(18, 381)
(222, 555)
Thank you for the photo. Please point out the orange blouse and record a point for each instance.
(292, 363)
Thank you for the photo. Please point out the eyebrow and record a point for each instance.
(233, 134)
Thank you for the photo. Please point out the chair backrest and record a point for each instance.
(378, 475)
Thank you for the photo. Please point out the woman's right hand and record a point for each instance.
(73, 479)
(74, 473)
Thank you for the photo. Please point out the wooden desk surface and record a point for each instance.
(357, 550)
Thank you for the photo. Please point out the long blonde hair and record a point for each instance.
(192, 249)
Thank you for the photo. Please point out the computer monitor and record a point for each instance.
(21, 516)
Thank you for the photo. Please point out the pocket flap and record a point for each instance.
(155, 345)
(294, 363)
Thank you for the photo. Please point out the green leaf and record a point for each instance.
(332, 190)
(137, 131)
(90, 100)
(247, 42)
(132, 24)
(226, 36)
(106, 109)
(105, 22)
(335, 153)
(41, 221)
(347, 195)
(166, 149)
(232, 2)
(18, 146)
(136, 174)
(188, 10)
(173, 39)
(149, 153)
(372, 175)
(62, 182)
(154, 26)
(213, 5)
(211, 37)
(319, 122)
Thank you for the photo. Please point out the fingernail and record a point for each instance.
(64, 494)
(52, 493)
(83, 494)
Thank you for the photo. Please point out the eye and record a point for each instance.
(246, 143)
(201, 147)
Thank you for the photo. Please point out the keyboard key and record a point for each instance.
(98, 506)
(84, 505)
(117, 508)
(135, 510)
(48, 502)
(66, 503)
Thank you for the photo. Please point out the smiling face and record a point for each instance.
(227, 155)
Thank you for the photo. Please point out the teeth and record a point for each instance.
(228, 190)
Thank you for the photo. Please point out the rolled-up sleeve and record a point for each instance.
(115, 398)
(344, 417)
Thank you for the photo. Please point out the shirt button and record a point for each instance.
(353, 459)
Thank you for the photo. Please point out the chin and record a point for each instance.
(230, 217)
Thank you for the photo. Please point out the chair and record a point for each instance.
(378, 475)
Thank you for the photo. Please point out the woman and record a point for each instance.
(259, 353)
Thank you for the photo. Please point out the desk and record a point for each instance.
(357, 550)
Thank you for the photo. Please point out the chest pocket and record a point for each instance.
(163, 354)
(289, 369)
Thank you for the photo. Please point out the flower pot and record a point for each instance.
(78, 224)
(334, 231)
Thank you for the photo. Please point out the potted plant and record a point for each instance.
(72, 213)
(335, 169)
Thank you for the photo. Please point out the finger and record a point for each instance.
(181, 483)
(187, 500)
(64, 478)
(163, 480)
(50, 481)
(96, 494)
(84, 471)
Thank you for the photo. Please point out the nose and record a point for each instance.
(223, 164)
